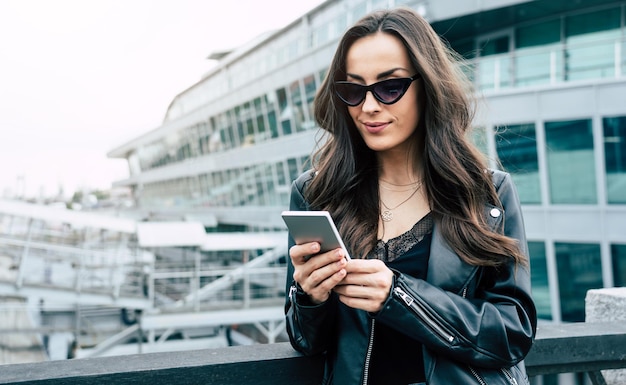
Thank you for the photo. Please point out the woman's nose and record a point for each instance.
(370, 104)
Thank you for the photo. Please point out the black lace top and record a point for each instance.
(407, 253)
(400, 245)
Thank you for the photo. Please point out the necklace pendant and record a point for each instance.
(386, 216)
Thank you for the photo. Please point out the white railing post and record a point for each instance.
(552, 67)
(618, 58)
(496, 75)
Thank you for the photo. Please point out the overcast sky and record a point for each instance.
(81, 77)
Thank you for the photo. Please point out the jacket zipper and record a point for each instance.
(417, 308)
(507, 374)
(477, 376)
(368, 355)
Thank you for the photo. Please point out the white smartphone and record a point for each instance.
(314, 226)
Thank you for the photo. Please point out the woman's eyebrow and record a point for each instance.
(380, 76)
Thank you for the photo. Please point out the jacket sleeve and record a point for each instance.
(309, 326)
(489, 321)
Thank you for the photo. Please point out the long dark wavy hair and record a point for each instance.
(456, 183)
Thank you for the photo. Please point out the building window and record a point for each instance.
(310, 88)
(494, 67)
(571, 165)
(292, 166)
(286, 112)
(615, 158)
(590, 41)
(517, 152)
(297, 105)
(270, 104)
(618, 255)
(579, 269)
(537, 56)
(539, 279)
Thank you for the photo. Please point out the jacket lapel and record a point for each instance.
(445, 268)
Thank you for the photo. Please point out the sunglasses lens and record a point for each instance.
(351, 94)
(387, 91)
(390, 91)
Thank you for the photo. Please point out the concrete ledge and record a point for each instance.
(562, 348)
(607, 305)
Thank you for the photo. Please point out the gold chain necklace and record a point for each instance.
(387, 214)
(410, 186)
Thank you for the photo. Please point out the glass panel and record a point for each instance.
(494, 65)
(292, 165)
(590, 42)
(285, 111)
(270, 104)
(494, 72)
(618, 255)
(517, 153)
(225, 129)
(280, 173)
(571, 164)
(539, 279)
(538, 34)
(310, 88)
(305, 164)
(579, 269)
(262, 133)
(589, 23)
(271, 118)
(615, 158)
(297, 105)
(495, 46)
(542, 65)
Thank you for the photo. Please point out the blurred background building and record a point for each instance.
(552, 74)
(551, 78)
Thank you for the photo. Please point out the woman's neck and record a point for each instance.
(398, 169)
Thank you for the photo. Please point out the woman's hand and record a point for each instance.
(366, 286)
(317, 274)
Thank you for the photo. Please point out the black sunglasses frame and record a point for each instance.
(372, 88)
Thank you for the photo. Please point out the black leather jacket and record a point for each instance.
(471, 321)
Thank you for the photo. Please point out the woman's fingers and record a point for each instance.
(301, 253)
(366, 286)
(317, 274)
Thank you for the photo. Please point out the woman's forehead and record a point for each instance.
(375, 54)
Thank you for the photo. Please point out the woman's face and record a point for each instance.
(384, 127)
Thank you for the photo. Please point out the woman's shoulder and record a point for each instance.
(498, 177)
(297, 200)
(303, 179)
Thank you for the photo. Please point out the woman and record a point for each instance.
(438, 288)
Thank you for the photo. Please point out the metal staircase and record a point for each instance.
(181, 292)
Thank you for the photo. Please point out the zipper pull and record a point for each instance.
(404, 296)
(292, 291)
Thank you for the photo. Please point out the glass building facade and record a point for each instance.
(553, 76)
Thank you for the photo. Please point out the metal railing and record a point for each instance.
(559, 348)
(113, 273)
(550, 64)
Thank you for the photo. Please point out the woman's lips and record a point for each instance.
(375, 128)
